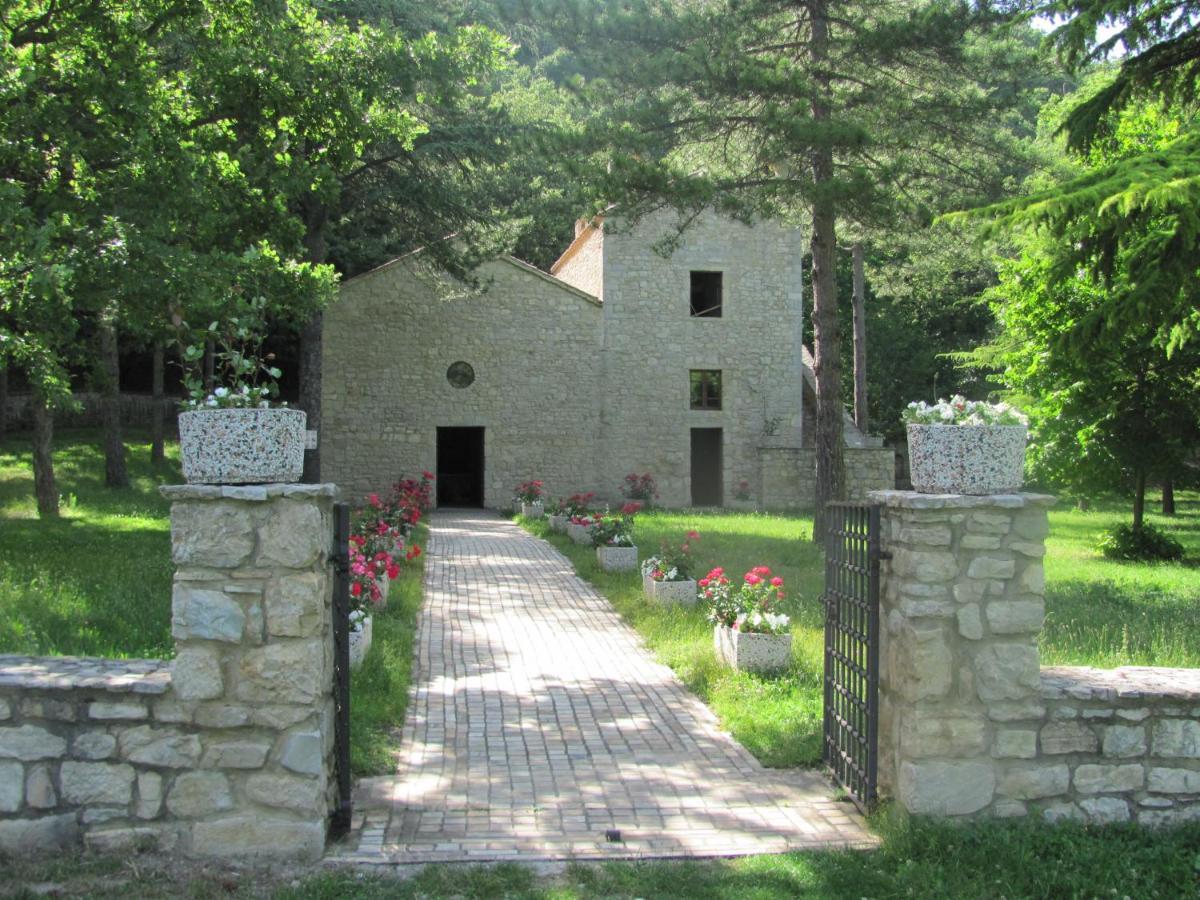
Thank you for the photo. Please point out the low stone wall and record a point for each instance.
(970, 724)
(136, 409)
(789, 474)
(227, 750)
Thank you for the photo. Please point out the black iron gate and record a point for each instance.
(340, 820)
(851, 600)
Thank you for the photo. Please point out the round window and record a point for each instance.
(460, 374)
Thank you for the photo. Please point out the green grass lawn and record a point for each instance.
(97, 582)
(987, 860)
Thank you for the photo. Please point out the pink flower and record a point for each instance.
(752, 579)
(776, 581)
(693, 535)
(373, 499)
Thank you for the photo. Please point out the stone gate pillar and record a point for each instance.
(961, 606)
(253, 672)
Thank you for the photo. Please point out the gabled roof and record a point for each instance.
(585, 233)
(518, 264)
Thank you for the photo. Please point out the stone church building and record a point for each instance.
(688, 366)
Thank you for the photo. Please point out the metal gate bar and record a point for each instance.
(339, 823)
(851, 601)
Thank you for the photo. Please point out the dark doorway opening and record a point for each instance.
(707, 468)
(460, 466)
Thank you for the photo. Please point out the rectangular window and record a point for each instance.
(706, 295)
(706, 388)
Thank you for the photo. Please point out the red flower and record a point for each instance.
(693, 535)
(373, 499)
(752, 579)
(630, 508)
(428, 476)
(413, 552)
(776, 581)
(393, 572)
(356, 589)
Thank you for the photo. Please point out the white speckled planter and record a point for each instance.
(966, 459)
(242, 446)
(360, 643)
(752, 652)
(648, 586)
(617, 559)
(681, 592)
(558, 524)
(580, 534)
(533, 510)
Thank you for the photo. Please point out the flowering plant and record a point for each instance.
(356, 617)
(575, 505)
(674, 561)
(742, 492)
(244, 377)
(958, 410)
(410, 499)
(749, 607)
(616, 529)
(640, 487)
(530, 491)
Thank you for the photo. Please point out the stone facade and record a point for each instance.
(581, 376)
(789, 476)
(227, 750)
(970, 724)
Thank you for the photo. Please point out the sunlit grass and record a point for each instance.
(97, 581)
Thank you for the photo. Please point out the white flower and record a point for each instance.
(673, 574)
(263, 404)
(222, 392)
(211, 401)
(245, 388)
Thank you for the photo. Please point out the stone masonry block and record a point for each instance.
(991, 567)
(303, 752)
(39, 788)
(220, 535)
(1007, 671)
(29, 742)
(1172, 737)
(1033, 782)
(94, 745)
(235, 754)
(1105, 810)
(199, 614)
(306, 795)
(164, 747)
(1015, 743)
(259, 836)
(970, 625)
(1164, 780)
(922, 662)
(287, 672)
(117, 711)
(12, 786)
(1016, 616)
(295, 605)
(96, 783)
(930, 566)
(19, 837)
(293, 535)
(196, 673)
(925, 735)
(150, 795)
(1068, 737)
(195, 794)
(1124, 740)
(1097, 779)
(1033, 579)
(945, 788)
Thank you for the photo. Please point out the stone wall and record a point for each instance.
(582, 263)
(136, 409)
(227, 750)
(970, 724)
(788, 474)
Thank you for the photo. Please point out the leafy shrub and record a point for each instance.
(1122, 542)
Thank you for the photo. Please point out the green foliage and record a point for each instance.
(1145, 543)
(1135, 217)
(243, 377)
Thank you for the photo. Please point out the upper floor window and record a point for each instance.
(705, 388)
(706, 295)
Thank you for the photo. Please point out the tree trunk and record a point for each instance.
(1168, 497)
(3, 402)
(1139, 501)
(115, 473)
(158, 411)
(315, 218)
(860, 339)
(1083, 504)
(44, 487)
(827, 365)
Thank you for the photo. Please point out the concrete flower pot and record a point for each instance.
(669, 592)
(617, 559)
(648, 586)
(966, 459)
(752, 652)
(558, 524)
(533, 510)
(242, 446)
(360, 642)
(580, 534)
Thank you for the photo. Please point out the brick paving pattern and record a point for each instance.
(538, 722)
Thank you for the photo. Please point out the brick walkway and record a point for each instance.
(538, 721)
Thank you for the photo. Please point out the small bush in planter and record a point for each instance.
(747, 633)
(1149, 543)
(669, 576)
(613, 536)
(961, 446)
(642, 488)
